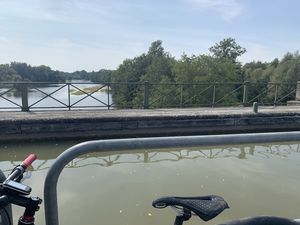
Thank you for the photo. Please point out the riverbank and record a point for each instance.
(102, 124)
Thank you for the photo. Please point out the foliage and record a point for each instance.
(206, 70)
(280, 75)
(23, 72)
(162, 71)
(77, 75)
(195, 80)
(102, 76)
(227, 49)
(8, 74)
(154, 67)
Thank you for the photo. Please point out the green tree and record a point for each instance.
(159, 65)
(204, 75)
(23, 69)
(227, 49)
(46, 74)
(155, 67)
(125, 80)
(287, 73)
(278, 76)
(102, 76)
(8, 74)
(37, 73)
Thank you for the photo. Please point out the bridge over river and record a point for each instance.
(97, 124)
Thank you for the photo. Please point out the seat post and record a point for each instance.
(183, 215)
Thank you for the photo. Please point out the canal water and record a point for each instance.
(118, 188)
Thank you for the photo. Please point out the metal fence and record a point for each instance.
(27, 96)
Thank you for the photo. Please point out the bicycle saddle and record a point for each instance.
(206, 207)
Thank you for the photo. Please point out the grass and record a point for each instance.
(89, 90)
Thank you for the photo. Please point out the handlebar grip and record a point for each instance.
(29, 160)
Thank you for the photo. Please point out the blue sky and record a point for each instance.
(71, 35)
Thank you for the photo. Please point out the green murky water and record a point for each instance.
(118, 188)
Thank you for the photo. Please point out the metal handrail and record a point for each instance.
(50, 185)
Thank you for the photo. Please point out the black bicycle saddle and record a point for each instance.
(206, 207)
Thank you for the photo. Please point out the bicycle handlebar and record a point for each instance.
(29, 160)
(13, 191)
(18, 171)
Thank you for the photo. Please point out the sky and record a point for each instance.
(90, 35)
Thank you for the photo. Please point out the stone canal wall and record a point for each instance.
(100, 124)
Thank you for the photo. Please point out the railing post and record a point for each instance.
(255, 107)
(298, 91)
(181, 95)
(69, 96)
(108, 91)
(214, 96)
(276, 94)
(146, 95)
(245, 92)
(24, 93)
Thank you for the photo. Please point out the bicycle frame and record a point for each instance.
(5, 218)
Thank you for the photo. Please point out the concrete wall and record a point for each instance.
(139, 126)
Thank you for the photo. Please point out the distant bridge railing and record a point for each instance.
(108, 159)
(26, 96)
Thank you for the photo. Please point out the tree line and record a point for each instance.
(158, 66)
(22, 72)
(221, 66)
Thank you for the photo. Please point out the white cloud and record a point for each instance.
(228, 9)
(65, 11)
(57, 11)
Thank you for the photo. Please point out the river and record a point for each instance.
(118, 188)
(59, 96)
